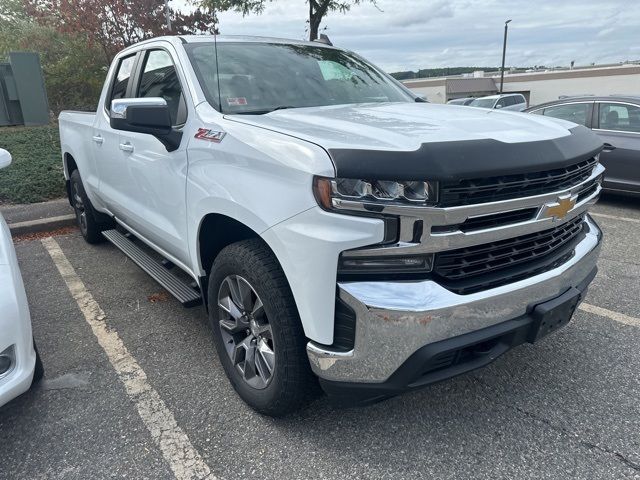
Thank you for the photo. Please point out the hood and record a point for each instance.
(403, 126)
(422, 140)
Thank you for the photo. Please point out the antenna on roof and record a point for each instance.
(324, 39)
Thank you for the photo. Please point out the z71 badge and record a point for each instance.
(211, 135)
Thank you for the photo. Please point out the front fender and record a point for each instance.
(307, 247)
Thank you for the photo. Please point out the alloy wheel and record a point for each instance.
(246, 331)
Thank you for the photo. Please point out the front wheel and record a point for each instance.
(257, 330)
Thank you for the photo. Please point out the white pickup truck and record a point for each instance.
(334, 225)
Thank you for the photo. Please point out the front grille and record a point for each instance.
(480, 267)
(493, 189)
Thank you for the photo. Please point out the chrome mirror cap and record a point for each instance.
(119, 106)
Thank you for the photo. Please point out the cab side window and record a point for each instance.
(160, 79)
(121, 79)
(501, 103)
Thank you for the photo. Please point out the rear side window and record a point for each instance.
(574, 112)
(121, 79)
(160, 79)
(620, 117)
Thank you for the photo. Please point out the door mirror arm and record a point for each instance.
(145, 115)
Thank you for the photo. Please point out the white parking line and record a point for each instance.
(610, 314)
(615, 217)
(183, 458)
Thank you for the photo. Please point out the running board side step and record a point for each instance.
(184, 293)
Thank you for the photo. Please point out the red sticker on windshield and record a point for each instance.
(236, 101)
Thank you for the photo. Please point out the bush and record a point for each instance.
(36, 173)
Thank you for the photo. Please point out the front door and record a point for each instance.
(619, 128)
(152, 180)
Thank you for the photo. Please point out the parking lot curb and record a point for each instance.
(42, 224)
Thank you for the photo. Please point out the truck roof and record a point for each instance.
(182, 39)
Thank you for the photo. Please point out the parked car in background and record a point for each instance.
(461, 101)
(20, 364)
(616, 119)
(507, 101)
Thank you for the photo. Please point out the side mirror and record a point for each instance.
(498, 106)
(5, 158)
(145, 115)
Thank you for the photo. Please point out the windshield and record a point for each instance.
(483, 102)
(262, 77)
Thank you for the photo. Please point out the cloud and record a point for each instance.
(408, 35)
(423, 15)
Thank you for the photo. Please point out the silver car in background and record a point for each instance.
(507, 101)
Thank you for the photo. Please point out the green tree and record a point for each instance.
(73, 69)
(115, 24)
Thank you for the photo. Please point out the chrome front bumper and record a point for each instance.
(395, 319)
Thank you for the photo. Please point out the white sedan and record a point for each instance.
(20, 365)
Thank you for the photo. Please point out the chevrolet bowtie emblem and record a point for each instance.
(559, 210)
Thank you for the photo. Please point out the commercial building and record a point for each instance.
(537, 86)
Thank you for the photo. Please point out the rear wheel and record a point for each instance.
(85, 214)
(257, 330)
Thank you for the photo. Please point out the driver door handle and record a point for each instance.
(98, 139)
(126, 147)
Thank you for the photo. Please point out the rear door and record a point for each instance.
(618, 124)
(105, 140)
(153, 181)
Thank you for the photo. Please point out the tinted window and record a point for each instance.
(259, 77)
(502, 102)
(617, 116)
(121, 80)
(574, 112)
(483, 102)
(510, 101)
(519, 99)
(159, 79)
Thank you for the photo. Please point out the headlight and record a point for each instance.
(336, 192)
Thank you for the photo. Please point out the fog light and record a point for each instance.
(385, 265)
(6, 361)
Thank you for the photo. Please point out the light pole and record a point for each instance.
(504, 52)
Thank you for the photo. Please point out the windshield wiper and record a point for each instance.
(263, 112)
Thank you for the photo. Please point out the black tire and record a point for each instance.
(291, 384)
(85, 214)
(38, 371)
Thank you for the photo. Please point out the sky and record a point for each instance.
(403, 35)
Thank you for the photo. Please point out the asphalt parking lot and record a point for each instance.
(568, 407)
